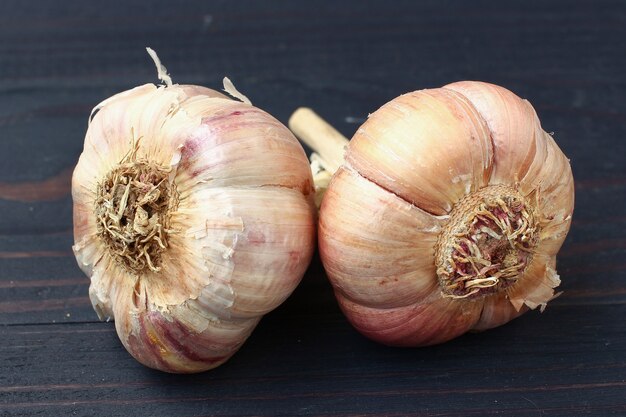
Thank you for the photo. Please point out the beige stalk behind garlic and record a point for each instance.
(446, 215)
(194, 217)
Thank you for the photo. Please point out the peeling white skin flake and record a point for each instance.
(229, 87)
(161, 70)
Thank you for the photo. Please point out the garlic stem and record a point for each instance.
(320, 136)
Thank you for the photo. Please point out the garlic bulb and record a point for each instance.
(446, 216)
(194, 217)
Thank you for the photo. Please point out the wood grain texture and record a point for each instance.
(343, 59)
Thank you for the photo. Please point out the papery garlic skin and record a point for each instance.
(408, 169)
(240, 229)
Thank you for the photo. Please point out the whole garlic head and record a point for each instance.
(193, 217)
(446, 216)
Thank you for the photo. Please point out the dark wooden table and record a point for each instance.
(58, 59)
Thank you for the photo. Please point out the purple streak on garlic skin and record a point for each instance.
(231, 174)
(167, 344)
(420, 324)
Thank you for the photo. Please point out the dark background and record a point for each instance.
(345, 59)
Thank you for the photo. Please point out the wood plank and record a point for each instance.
(524, 368)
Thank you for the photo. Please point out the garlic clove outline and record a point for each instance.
(372, 253)
(435, 320)
(513, 125)
(420, 157)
